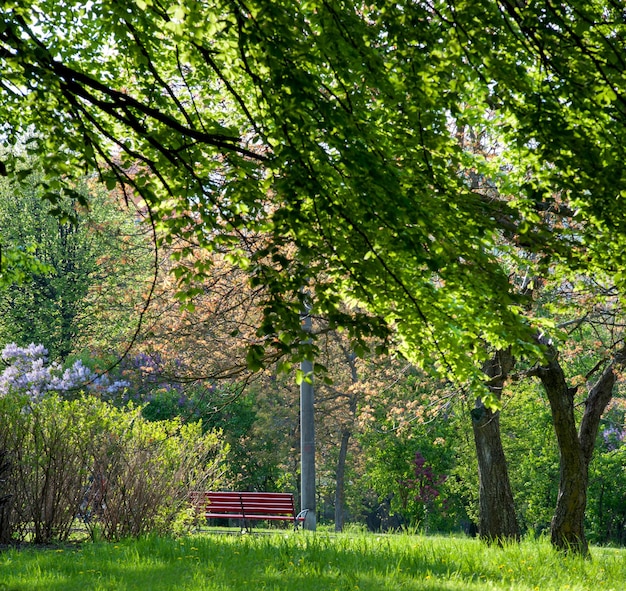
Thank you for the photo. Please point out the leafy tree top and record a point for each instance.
(319, 145)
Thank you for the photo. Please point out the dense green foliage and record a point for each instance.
(93, 267)
(336, 133)
(254, 459)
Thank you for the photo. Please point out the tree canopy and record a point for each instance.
(369, 158)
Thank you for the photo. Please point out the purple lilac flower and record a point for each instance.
(28, 372)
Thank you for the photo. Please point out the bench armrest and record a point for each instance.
(300, 517)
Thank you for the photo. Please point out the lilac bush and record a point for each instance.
(28, 372)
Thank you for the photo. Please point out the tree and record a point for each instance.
(205, 334)
(497, 515)
(85, 284)
(576, 447)
(578, 403)
(585, 341)
(338, 406)
(418, 458)
(346, 432)
(351, 180)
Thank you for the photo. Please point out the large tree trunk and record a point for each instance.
(567, 528)
(497, 518)
(575, 448)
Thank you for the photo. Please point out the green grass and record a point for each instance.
(303, 561)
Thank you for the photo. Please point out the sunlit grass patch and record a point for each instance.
(305, 561)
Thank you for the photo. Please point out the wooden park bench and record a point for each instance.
(248, 506)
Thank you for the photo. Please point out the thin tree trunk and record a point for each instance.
(5, 498)
(497, 518)
(346, 434)
(340, 487)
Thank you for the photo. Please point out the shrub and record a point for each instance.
(48, 471)
(5, 496)
(143, 472)
(122, 474)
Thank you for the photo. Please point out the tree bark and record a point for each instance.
(497, 517)
(575, 448)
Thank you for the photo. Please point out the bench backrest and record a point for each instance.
(244, 504)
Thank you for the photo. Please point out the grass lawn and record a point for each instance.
(304, 561)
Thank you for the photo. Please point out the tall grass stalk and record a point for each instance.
(304, 561)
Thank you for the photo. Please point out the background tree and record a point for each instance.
(94, 268)
(529, 443)
(419, 422)
(605, 516)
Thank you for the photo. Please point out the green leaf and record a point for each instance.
(255, 357)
